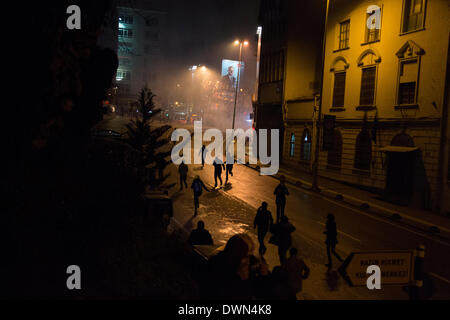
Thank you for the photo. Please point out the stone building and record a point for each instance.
(385, 97)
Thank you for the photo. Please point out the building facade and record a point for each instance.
(289, 74)
(140, 51)
(385, 100)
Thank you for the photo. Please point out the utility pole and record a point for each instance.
(315, 186)
(237, 83)
(240, 43)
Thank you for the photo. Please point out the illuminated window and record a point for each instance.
(123, 75)
(367, 94)
(292, 145)
(339, 89)
(306, 146)
(413, 15)
(344, 34)
(126, 33)
(363, 150)
(126, 19)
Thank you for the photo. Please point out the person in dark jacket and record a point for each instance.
(284, 239)
(183, 171)
(297, 270)
(280, 285)
(229, 166)
(200, 236)
(218, 166)
(281, 191)
(197, 187)
(263, 221)
(228, 272)
(203, 154)
(331, 240)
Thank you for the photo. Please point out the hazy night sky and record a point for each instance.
(203, 31)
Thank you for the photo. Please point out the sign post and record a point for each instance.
(397, 267)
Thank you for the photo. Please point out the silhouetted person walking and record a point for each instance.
(218, 166)
(281, 192)
(331, 241)
(197, 186)
(200, 236)
(284, 239)
(263, 221)
(183, 171)
(203, 154)
(229, 167)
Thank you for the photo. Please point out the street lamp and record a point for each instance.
(315, 186)
(240, 44)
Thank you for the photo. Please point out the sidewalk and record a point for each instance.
(425, 221)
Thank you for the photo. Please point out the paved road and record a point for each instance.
(227, 212)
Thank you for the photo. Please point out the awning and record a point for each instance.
(398, 149)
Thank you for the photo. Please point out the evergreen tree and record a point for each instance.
(149, 141)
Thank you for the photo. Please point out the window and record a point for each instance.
(126, 33)
(125, 47)
(124, 62)
(413, 15)
(334, 159)
(292, 145)
(153, 36)
(124, 89)
(344, 34)
(126, 19)
(367, 95)
(151, 49)
(363, 150)
(339, 89)
(123, 75)
(306, 146)
(373, 20)
(407, 86)
(152, 22)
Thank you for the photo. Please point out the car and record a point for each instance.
(180, 117)
(102, 133)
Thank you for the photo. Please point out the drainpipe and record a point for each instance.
(444, 139)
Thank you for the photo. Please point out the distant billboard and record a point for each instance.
(230, 72)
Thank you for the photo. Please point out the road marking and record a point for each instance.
(341, 232)
(439, 277)
(387, 222)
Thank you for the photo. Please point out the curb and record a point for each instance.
(399, 217)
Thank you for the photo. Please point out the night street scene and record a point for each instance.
(256, 151)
